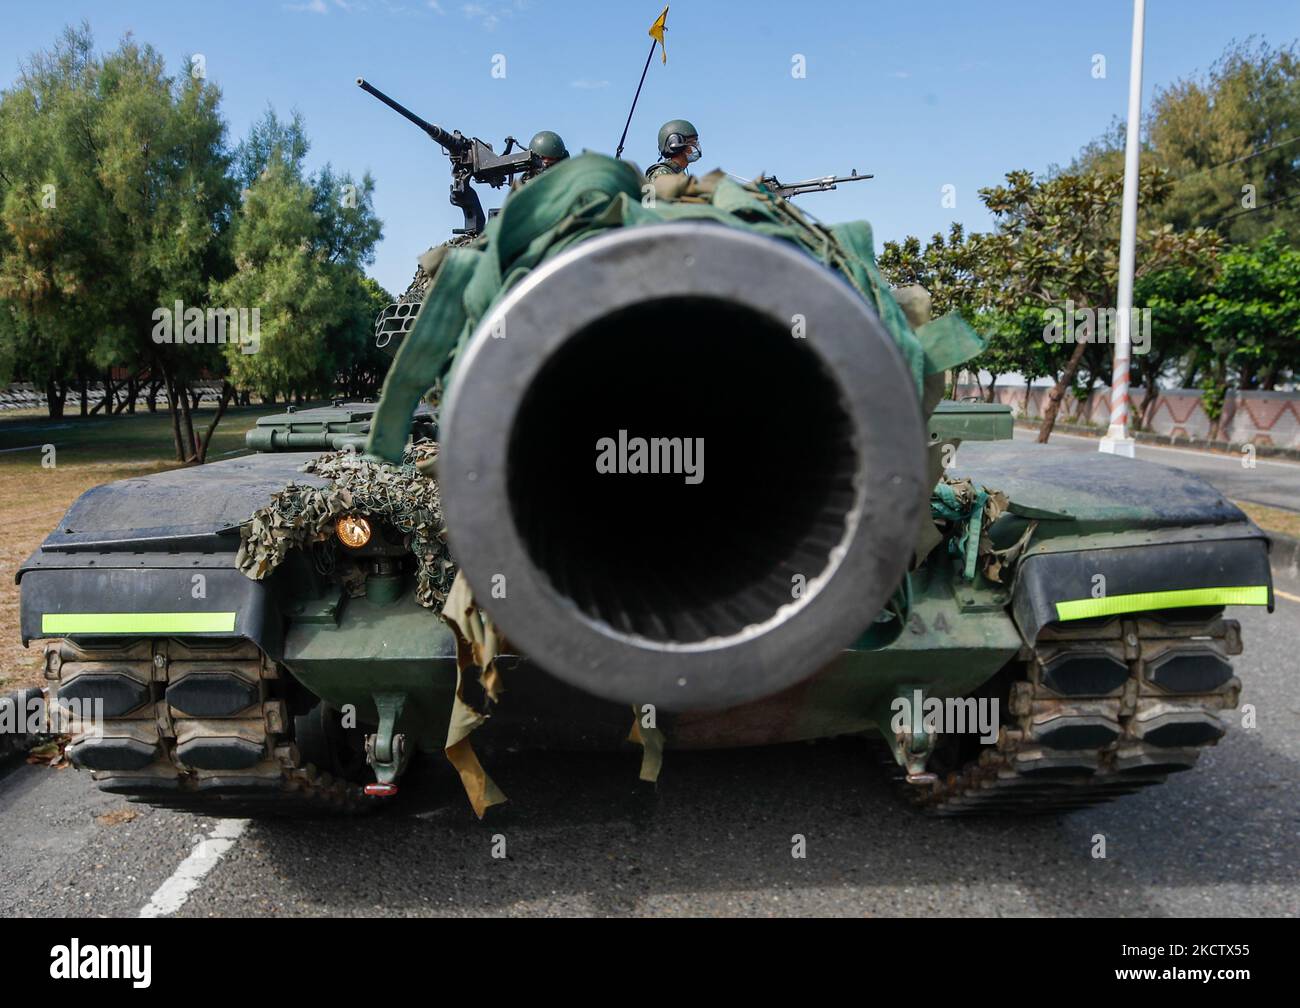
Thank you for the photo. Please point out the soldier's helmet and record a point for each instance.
(677, 135)
(548, 146)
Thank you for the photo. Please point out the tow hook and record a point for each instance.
(386, 749)
(912, 745)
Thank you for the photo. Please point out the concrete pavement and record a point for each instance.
(715, 840)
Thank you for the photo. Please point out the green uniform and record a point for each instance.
(663, 168)
(675, 136)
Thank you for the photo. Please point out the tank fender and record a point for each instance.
(1080, 584)
(172, 595)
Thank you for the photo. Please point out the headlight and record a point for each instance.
(353, 531)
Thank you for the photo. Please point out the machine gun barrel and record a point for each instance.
(821, 184)
(452, 141)
(472, 160)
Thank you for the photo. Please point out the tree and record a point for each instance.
(1173, 298)
(1056, 244)
(961, 276)
(271, 139)
(952, 269)
(1250, 320)
(1015, 344)
(116, 200)
(299, 244)
(119, 202)
(1227, 139)
(49, 209)
(359, 363)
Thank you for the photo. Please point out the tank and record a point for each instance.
(690, 486)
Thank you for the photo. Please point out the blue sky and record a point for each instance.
(922, 95)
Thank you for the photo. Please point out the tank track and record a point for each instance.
(1094, 712)
(1091, 713)
(213, 732)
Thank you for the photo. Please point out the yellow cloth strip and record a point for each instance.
(651, 741)
(477, 644)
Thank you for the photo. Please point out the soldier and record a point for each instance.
(679, 145)
(549, 148)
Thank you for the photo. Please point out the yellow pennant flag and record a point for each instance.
(657, 32)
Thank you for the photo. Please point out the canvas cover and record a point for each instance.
(588, 195)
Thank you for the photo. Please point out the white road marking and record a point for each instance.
(172, 894)
(1209, 456)
(1286, 595)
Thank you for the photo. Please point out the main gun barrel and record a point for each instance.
(682, 464)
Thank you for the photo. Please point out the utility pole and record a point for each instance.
(1117, 440)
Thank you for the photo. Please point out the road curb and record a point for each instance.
(1284, 554)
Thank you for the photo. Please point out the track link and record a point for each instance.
(1095, 712)
(203, 726)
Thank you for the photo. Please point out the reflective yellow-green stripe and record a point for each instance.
(1175, 599)
(138, 623)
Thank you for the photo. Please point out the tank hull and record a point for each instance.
(291, 648)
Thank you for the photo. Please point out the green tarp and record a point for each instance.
(585, 196)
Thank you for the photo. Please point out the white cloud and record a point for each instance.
(323, 7)
(589, 84)
(488, 17)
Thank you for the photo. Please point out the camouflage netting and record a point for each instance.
(398, 494)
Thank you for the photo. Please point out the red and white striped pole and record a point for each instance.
(1117, 440)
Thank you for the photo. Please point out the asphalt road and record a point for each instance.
(1275, 482)
(715, 839)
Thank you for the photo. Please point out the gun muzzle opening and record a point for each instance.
(682, 469)
(682, 465)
